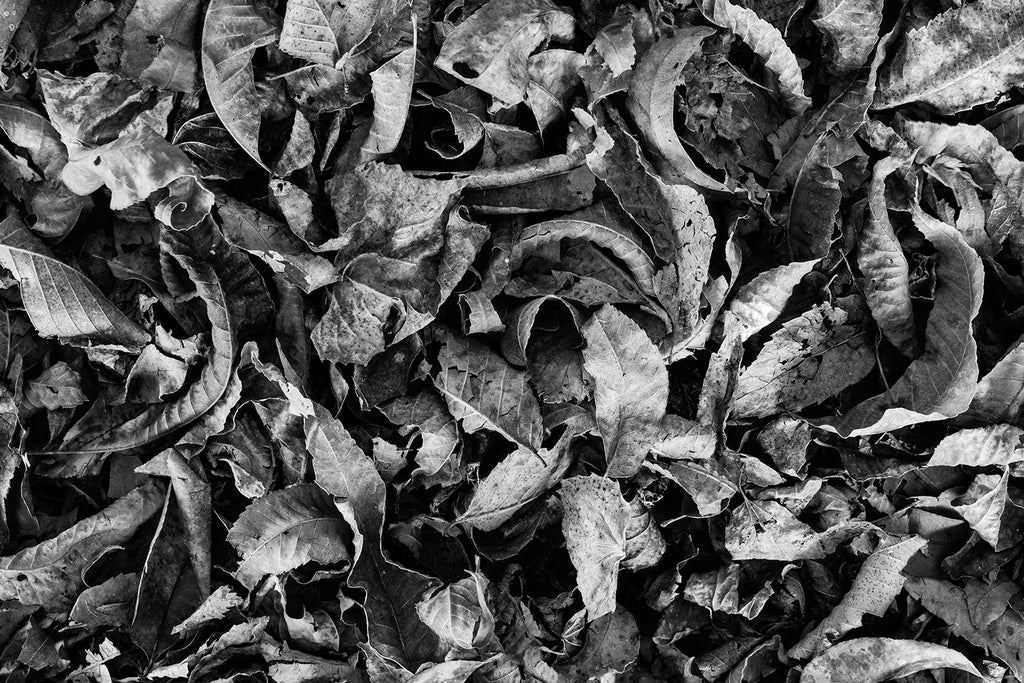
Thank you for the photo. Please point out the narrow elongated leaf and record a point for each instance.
(631, 387)
(807, 361)
(51, 573)
(286, 529)
(873, 660)
(484, 392)
(941, 383)
(232, 32)
(87, 319)
(963, 57)
(594, 525)
(767, 43)
(651, 103)
(886, 274)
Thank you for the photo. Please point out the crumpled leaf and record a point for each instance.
(286, 529)
(961, 58)
(873, 660)
(767, 43)
(89, 319)
(458, 613)
(766, 530)
(58, 387)
(594, 525)
(232, 32)
(850, 30)
(489, 50)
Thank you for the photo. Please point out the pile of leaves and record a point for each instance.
(417, 341)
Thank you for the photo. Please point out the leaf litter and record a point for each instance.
(421, 341)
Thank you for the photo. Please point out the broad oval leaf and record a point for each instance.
(232, 32)
(88, 318)
(963, 57)
(286, 529)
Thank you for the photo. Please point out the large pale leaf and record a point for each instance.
(766, 530)
(873, 660)
(392, 93)
(51, 573)
(760, 301)
(630, 387)
(767, 43)
(941, 383)
(46, 283)
(878, 582)
(999, 444)
(136, 165)
(484, 392)
(234, 296)
(395, 630)
(651, 102)
(489, 50)
(973, 615)
(810, 359)
(286, 529)
(517, 480)
(310, 30)
(594, 525)
(232, 32)
(458, 613)
(963, 57)
(1000, 395)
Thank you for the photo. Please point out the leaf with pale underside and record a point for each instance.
(285, 530)
(392, 92)
(594, 525)
(941, 382)
(765, 530)
(310, 30)
(850, 29)
(87, 319)
(873, 660)
(963, 57)
(517, 480)
(1000, 394)
(232, 32)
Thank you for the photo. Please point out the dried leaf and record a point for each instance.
(873, 660)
